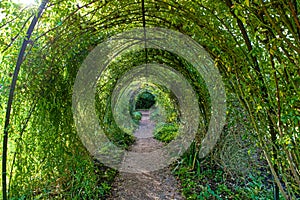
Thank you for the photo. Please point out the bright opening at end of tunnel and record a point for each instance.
(27, 2)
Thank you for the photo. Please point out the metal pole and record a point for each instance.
(11, 95)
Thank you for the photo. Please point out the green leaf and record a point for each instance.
(247, 2)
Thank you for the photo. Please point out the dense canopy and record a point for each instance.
(254, 44)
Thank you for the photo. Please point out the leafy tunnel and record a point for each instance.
(253, 44)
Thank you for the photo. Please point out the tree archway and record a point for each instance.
(254, 44)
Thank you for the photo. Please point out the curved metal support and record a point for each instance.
(11, 94)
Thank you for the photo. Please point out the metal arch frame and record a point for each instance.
(11, 93)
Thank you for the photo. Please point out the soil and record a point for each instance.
(156, 185)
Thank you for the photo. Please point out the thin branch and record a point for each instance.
(14, 38)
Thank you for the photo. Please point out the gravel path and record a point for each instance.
(156, 185)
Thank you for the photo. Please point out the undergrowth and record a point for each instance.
(137, 116)
(234, 169)
(206, 179)
(165, 132)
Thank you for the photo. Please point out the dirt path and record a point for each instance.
(156, 185)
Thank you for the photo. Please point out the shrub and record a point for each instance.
(166, 132)
(137, 116)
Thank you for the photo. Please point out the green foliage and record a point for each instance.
(145, 100)
(165, 132)
(137, 116)
(205, 179)
(166, 107)
(255, 45)
(233, 170)
(111, 129)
